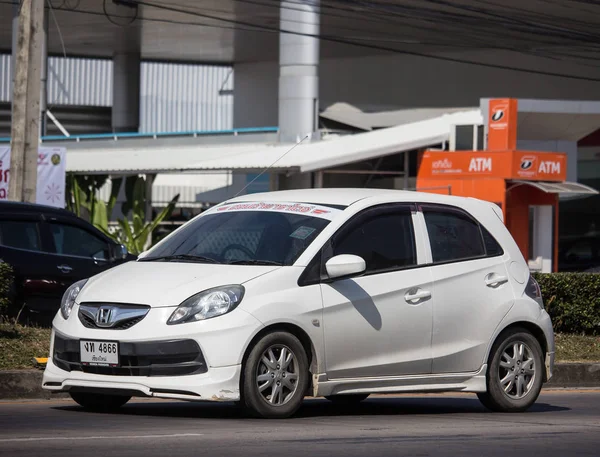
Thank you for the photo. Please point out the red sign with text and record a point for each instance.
(502, 125)
(525, 165)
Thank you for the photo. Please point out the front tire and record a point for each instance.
(276, 376)
(99, 402)
(515, 372)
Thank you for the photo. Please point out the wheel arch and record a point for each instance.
(532, 328)
(293, 329)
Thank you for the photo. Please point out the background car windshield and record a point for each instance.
(244, 236)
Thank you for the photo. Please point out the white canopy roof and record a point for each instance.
(257, 157)
(347, 114)
(571, 188)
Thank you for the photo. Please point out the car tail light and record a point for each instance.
(532, 290)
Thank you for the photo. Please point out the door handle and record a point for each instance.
(494, 280)
(64, 268)
(416, 296)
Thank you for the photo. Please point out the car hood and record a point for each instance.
(160, 284)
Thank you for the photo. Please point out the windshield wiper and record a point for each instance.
(255, 262)
(188, 257)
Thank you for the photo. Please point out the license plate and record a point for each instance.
(99, 353)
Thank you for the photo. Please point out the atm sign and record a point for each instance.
(541, 166)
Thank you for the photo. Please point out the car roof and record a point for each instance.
(33, 208)
(349, 196)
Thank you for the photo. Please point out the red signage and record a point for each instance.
(502, 125)
(526, 165)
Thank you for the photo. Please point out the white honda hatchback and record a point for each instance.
(268, 298)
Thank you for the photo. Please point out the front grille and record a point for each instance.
(90, 323)
(153, 358)
(122, 316)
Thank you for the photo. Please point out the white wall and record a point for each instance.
(255, 95)
(378, 83)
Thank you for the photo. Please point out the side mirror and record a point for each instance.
(345, 266)
(119, 252)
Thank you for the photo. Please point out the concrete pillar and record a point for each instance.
(126, 92)
(318, 179)
(126, 79)
(298, 69)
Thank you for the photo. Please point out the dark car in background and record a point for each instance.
(580, 254)
(49, 249)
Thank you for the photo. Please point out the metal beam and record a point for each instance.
(364, 172)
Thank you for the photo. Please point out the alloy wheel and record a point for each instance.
(277, 375)
(517, 370)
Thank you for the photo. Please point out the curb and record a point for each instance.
(23, 384)
(27, 384)
(575, 375)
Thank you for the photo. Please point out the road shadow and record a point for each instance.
(314, 408)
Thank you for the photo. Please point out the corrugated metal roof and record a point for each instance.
(188, 186)
(183, 97)
(80, 82)
(153, 159)
(254, 157)
(173, 97)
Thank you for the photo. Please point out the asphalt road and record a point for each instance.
(562, 423)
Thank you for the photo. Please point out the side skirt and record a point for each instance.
(447, 382)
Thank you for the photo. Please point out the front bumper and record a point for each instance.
(143, 358)
(197, 361)
(218, 384)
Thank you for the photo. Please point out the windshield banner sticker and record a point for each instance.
(322, 212)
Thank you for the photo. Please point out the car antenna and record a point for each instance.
(269, 167)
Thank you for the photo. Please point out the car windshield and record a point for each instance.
(246, 234)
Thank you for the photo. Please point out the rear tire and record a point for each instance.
(99, 402)
(515, 372)
(276, 376)
(347, 400)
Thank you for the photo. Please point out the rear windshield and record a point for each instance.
(247, 233)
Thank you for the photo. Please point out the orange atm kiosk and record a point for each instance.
(525, 184)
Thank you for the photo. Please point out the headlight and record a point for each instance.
(207, 304)
(68, 299)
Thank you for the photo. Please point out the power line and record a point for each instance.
(349, 3)
(366, 45)
(363, 42)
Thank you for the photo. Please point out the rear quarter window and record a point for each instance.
(492, 247)
(453, 236)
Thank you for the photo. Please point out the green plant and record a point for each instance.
(136, 235)
(6, 287)
(572, 300)
(81, 193)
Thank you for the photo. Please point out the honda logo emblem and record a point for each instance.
(104, 316)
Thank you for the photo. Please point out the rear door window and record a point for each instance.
(20, 235)
(453, 236)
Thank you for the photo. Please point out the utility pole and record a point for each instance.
(25, 131)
